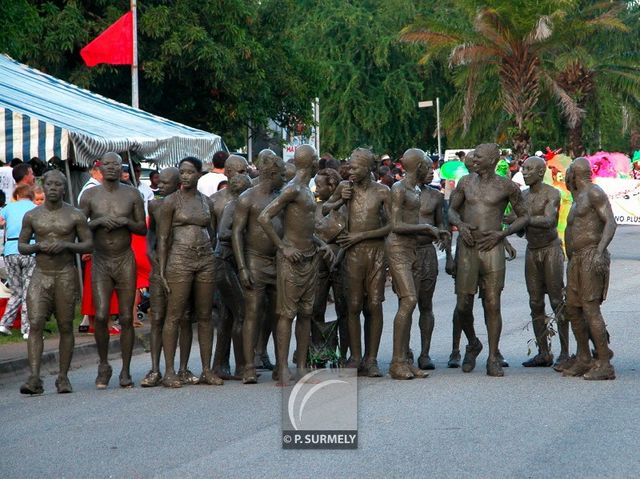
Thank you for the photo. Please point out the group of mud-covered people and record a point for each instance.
(272, 251)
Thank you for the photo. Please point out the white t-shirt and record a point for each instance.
(6, 182)
(518, 179)
(147, 195)
(436, 178)
(208, 184)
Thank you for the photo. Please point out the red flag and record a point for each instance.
(113, 46)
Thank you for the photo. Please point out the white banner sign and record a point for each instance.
(624, 196)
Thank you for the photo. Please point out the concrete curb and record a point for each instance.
(81, 355)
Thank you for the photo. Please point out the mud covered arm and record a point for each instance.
(137, 225)
(551, 212)
(163, 230)
(24, 247)
(272, 210)
(85, 238)
(335, 202)
(519, 208)
(600, 201)
(240, 217)
(400, 227)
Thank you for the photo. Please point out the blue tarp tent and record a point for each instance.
(43, 116)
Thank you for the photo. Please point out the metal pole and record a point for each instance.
(132, 175)
(134, 65)
(249, 143)
(438, 121)
(316, 119)
(74, 202)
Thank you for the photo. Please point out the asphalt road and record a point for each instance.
(531, 423)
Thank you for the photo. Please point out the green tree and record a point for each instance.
(212, 64)
(369, 82)
(593, 66)
(496, 47)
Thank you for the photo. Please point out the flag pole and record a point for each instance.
(134, 64)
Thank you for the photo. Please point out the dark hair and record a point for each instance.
(197, 164)
(333, 177)
(38, 166)
(333, 164)
(153, 173)
(3, 198)
(219, 159)
(384, 170)
(388, 180)
(15, 162)
(20, 171)
(223, 184)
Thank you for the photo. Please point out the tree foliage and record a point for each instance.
(213, 64)
(557, 73)
(370, 83)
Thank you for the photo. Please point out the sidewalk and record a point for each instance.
(13, 356)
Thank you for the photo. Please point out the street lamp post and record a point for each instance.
(427, 104)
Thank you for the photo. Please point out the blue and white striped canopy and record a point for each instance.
(43, 116)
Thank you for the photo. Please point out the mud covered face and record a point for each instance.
(111, 168)
(239, 183)
(425, 173)
(167, 183)
(532, 171)
(54, 188)
(324, 189)
(359, 167)
(188, 175)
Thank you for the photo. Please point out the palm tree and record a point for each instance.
(499, 43)
(594, 54)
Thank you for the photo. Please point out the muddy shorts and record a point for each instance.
(262, 268)
(119, 270)
(401, 255)
(426, 272)
(190, 263)
(52, 292)
(297, 283)
(585, 283)
(479, 269)
(544, 269)
(365, 270)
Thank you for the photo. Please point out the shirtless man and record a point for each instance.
(480, 256)
(432, 213)
(255, 255)
(231, 292)
(368, 205)
(401, 254)
(168, 183)
(544, 262)
(114, 211)
(590, 228)
(454, 357)
(297, 260)
(234, 165)
(54, 283)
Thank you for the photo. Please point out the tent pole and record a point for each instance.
(132, 175)
(74, 202)
(134, 65)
